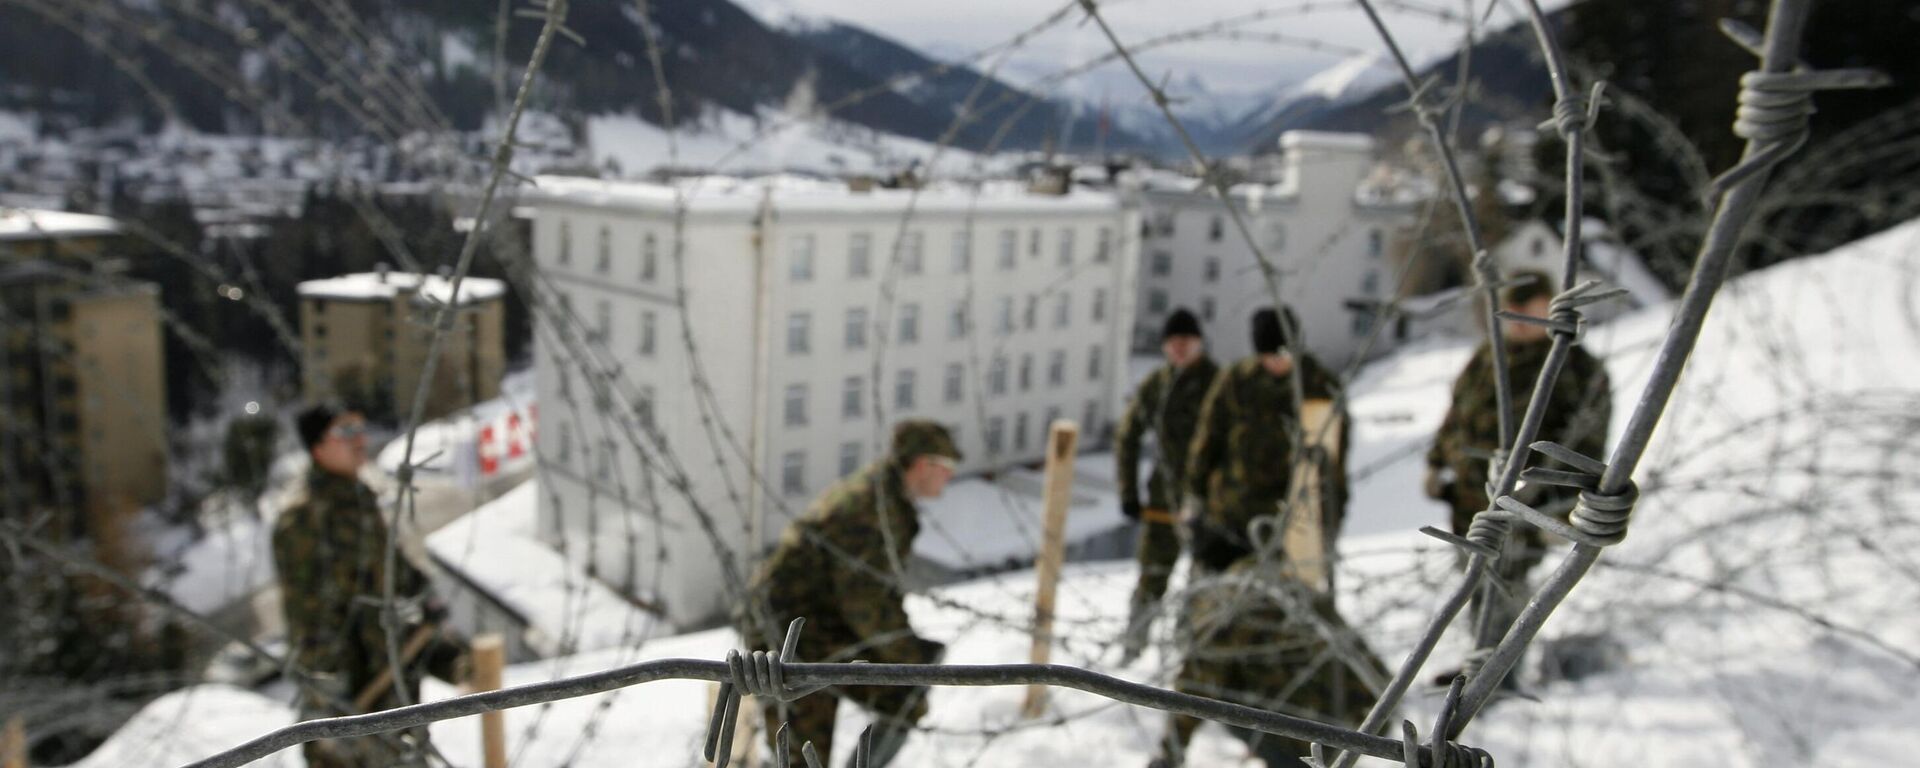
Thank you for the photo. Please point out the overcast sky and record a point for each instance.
(953, 28)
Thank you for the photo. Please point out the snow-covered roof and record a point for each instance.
(789, 194)
(32, 224)
(1356, 142)
(380, 286)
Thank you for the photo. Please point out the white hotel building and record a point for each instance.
(1326, 235)
(993, 310)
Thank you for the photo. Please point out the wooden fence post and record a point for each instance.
(13, 743)
(1057, 496)
(489, 661)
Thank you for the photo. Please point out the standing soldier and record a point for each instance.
(1168, 404)
(1576, 417)
(839, 566)
(1254, 627)
(329, 549)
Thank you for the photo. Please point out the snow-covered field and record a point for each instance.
(1766, 597)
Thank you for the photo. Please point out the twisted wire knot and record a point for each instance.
(1577, 112)
(1598, 519)
(1774, 106)
(760, 674)
(1443, 753)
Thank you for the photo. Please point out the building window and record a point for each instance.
(1020, 431)
(797, 343)
(1003, 318)
(909, 323)
(1216, 228)
(962, 252)
(1164, 222)
(1057, 368)
(1370, 283)
(996, 434)
(1033, 242)
(1026, 372)
(903, 390)
(1157, 301)
(1046, 424)
(1161, 264)
(912, 253)
(1033, 311)
(649, 258)
(1099, 305)
(956, 376)
(1090, 418)
(793, 473)
(603, 462)
(851, 397)
(796, 408)
(602, 321)
(646, 332)
(1063, 310)
(566, 241)
(957, 321)
(1206, 308)
(859, 255)
(1376, 243)
(1362, 323)
(643, 406)
(1210, 270)
(566, 440)
(1009, 248)
(1102, 245)
(1539, 247)
(800, 258)
(1066, 247)
(603, 258)
(849, 458)
(997, 376)
(856, 335)
(1093, 363)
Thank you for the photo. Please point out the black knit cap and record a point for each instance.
(1267, 338)
(1180, 323)
(313, 422)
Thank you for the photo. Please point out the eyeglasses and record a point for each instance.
(943, 461)
(347, 431)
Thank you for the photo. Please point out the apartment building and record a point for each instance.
(821, 313)
(365, 338)
(83, 430)
(1324, 232)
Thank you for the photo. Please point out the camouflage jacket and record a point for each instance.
(1577, 416)
(1241, 458)
(838, 565)
(329, 549)
(1168, 404)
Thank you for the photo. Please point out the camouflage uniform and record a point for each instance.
(838, 565)
(1245, 643)
(330, 552)
(1241, 459)
(1576, 417)
(1256, 651)
(1168, 403)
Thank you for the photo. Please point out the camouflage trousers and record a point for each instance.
(1525, 547)
(812, 717)
(1257, 655)
(406, 747)
(1157, 549)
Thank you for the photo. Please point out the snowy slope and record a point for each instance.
(1764, 599)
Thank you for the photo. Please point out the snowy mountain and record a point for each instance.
(1759, 613)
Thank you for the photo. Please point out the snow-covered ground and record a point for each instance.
(1765, 598)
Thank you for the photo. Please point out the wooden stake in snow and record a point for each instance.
(13, 744)
(489, 660)
(1058, 495)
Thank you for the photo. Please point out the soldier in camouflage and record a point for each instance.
(839, 566)
(1253, 630)
(329, 549)
(1167, 404)
(1577, 414)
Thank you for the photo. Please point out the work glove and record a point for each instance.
(1130, 509)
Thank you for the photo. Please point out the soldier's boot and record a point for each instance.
(1138, 632)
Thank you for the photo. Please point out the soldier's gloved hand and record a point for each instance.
(1190, 510)
(1130, 509)
(433, 610)
(932, 651)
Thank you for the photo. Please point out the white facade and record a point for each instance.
(820, 316)
(1327, 240)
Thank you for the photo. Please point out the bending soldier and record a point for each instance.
(329, 549)
(1167, 404)
(839, 566)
